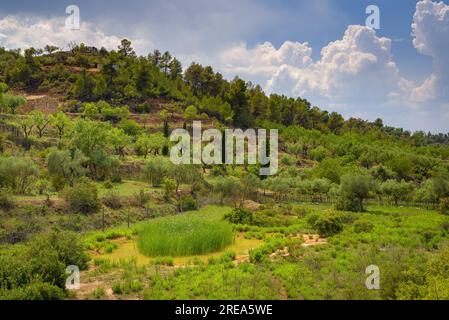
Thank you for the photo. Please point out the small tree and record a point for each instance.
(225, 187)
(190, 113)
(396, 190)
(146, 144)
(41, 121)
(119, 140)
(18, 173)
(354, 189)
(12, 103)
(60, 122)
(67, 165)
(155, 170)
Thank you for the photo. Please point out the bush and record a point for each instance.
(116, 179)
(108, 185)
(6, 199)
(240, 216)
(37, 290)
(83, 197)
(361, 227)
(188, 203)
(67, 245)
(328, 226)
(444, 206)
(112, 200)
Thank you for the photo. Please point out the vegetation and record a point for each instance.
(184, 235)
(84, 171)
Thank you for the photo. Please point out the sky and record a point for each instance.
(320, 50)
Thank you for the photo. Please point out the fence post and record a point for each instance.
(102, 218)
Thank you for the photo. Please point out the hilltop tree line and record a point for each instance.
(121, 77)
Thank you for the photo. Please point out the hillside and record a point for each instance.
(85, 179)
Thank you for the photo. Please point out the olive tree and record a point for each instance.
(354, 189)
(67, 165)
(396, 190)
(18, 173)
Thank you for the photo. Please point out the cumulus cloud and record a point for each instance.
(358, 67)
(357, 74)
(431, 37)
(18, 31)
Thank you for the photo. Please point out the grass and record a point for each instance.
(401, 241)
(127, 249)
(184, 235)
(126, 188)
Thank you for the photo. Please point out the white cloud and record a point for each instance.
(357, 68)
(357, 74)
(17, 31)
(431, 37)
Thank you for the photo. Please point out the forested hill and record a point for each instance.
(121, 78)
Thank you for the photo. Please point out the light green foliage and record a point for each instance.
(11, 103)
(355, 188)
(60, 121)
(191, 113)
(152, 143)
(156, 169)
(82, 197)
(130, 127)
(66, 164)
(92, 138)
(119, 140)
(18, 173)
(184, 235)
(41, 121)
(396, 190)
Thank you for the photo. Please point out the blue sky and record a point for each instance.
(229, 34)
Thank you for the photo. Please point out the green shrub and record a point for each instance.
(444, 206)
(36, 290)
(116, 179)
(328, 226)
(164, 261)
(112, 200)
(108, 185)
(362, 227)
(83, 197)
(117, 288)
(188, 203)
(6, 199)
(240, 216)
(99, 293)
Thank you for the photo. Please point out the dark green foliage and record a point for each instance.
(240, 216)
(354, 189)
(327, 226)
(82, 197)
(444, 206)
(37, 270)
(188, 203)
(6, 199)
